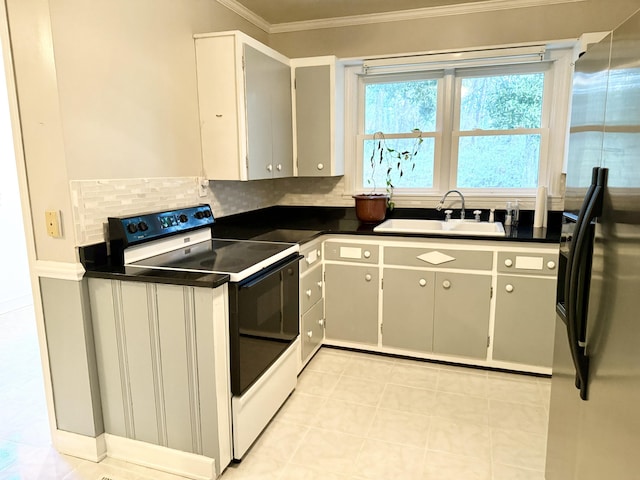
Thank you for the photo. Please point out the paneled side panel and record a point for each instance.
(177, 367)
(138, 360)
(104, 296)
(205, 347)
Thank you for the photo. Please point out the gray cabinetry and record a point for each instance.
(351, 296)
(525, 309)
(312, 330)
(162, 364)
(407, 315)
(311, 301)
(319, 117)
(245, 105)
(461, 314)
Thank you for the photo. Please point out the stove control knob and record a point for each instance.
(143, 227)
(132, 228)
(183, 218)
(199, 215)
(207, 214)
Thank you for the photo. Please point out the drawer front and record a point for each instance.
(312, 257)
(528, 263)
(312, 331)
(310, 288)
(351, 252)
(438, 258)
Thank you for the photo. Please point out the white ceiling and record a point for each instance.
(286, 11)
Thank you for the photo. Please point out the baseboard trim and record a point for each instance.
(164, 459)
(88, 448)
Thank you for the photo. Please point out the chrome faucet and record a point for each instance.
(444, 197)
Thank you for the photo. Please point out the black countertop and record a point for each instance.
(300, 225)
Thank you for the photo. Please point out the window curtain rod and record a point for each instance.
(469, 58)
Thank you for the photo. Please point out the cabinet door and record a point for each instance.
(351, 297)
(281, 121)
(312, 331)
(407, 314)
(525, 320)
(461, 314)
(313, 120)
(259, 71)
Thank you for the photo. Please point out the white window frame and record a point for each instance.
(559, 56)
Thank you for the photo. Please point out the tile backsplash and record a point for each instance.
(93, 201)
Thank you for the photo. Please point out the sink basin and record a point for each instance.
(439, 227)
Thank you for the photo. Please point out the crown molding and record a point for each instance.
(418, 13)
(247, 14)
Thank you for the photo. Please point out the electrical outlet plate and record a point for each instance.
(203, 186)
(52, 218)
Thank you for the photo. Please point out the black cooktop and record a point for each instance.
(221, 256)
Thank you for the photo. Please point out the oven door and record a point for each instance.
(264, 321)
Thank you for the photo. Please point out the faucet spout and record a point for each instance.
(444, 197)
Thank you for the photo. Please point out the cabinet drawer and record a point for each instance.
(528, 263)
(312, 257)
(351, 252)
(310, 289)
(438, 257)
(312, 331)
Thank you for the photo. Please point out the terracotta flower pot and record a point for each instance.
(371, 208)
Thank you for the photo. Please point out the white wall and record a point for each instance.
(15, 288)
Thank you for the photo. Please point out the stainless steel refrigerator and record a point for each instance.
(594, 415)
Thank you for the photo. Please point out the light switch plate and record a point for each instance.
(52, 218)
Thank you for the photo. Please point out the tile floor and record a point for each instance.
(360, 416)
(352, 416)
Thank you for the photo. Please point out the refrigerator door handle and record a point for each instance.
(592, 208)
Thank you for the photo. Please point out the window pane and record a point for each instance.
(498, 161)
(501, 102)
(400, 107)
(419, 177)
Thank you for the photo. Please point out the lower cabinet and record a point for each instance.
(162, 355)
(525, 320)
(312, 330)
(351, 298)
(407, 314)
(461, 314)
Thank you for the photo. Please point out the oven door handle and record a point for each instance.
(273, 269)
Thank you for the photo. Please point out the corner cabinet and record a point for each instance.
(318, 123)
(244, 97)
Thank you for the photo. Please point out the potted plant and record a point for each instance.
(372, 207)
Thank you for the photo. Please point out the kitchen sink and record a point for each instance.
(440, 227)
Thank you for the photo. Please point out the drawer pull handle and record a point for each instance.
(308, 292)
(321, 322)
(319, 284)
(509, 288)
(508, 262)
(310, 334)
(551, 264)
(279, 167)
(320, 166)
(367, 277)
(367, 254)
(269, 168)
(422, 282)
(446, 284)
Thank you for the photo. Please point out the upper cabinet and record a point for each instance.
(319, 116)
(244, 95)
